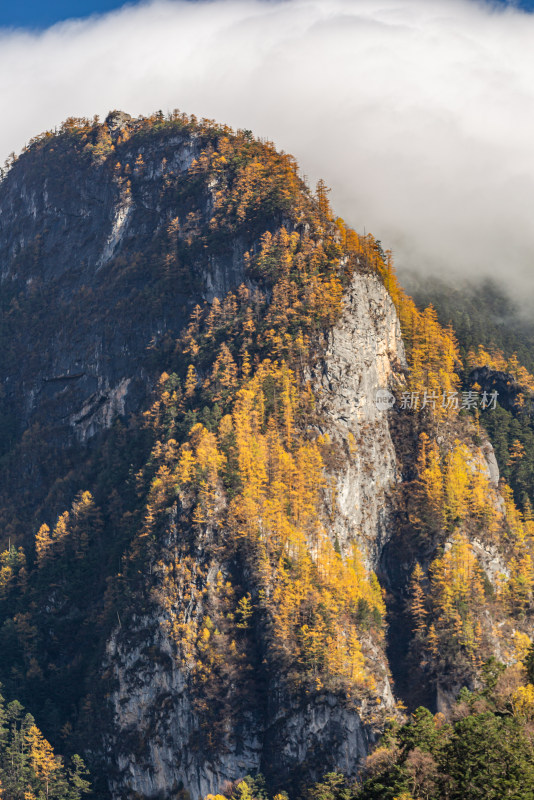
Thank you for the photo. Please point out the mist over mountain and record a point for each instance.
(418, 114)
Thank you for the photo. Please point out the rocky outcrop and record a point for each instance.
(103, 272)
(364, 360)
(491, 380)
(106, 246)
(155, 730)
(150, 699)
(155, 726)
(83, 236)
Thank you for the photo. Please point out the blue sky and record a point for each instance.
(39, 14)
(36, 13)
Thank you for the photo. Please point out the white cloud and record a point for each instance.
(418, 113)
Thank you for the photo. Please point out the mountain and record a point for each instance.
(250, 505)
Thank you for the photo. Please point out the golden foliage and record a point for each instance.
(523, 702)
(43, 761)
(453, 487)
(446, 621)
(314, 599)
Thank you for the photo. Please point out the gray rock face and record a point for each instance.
(152, 706)
(83, 234)
(365, 356)
(150, 700)
(491, 461)
(117, 120)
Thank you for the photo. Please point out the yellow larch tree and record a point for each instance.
(43, 542)
(43, 761)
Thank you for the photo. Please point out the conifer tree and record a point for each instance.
(417, 601)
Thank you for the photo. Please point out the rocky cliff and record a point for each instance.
(364, 354)
(84, 244)
(111, 233)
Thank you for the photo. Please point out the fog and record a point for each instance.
(418, 113)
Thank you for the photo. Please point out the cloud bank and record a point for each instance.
(418, 113)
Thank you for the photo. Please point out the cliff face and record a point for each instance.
(151, 703)
(364, 357)
(84, 252)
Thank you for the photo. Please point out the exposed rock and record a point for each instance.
(89, 248)
(365, 354)
(491, 380)
(117, 120)
(100, 410)
(155, 725)
(491, 461)
(123, 212)
(491, 560)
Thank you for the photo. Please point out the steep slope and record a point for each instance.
(222, 505)
(279, 728)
